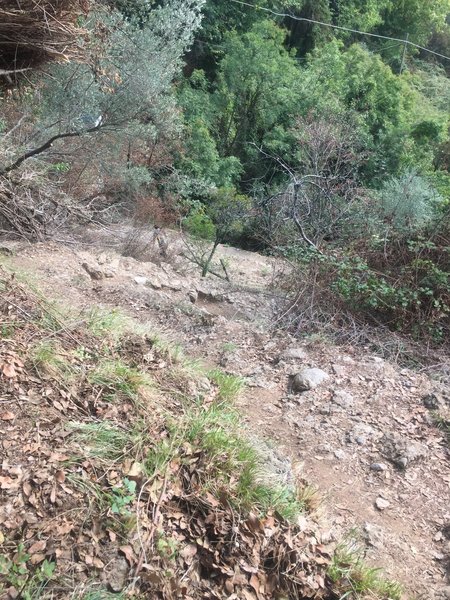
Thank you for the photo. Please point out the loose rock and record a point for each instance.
(374, 535)
(343, 399)
(308, 379)
(431, 401)
(193, 296)
(382, 503)
(140, 280)
(93, 272)
(401, 451)
(117, 574)
(360, 434)
(378, 467)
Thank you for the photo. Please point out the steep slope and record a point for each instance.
(366, 437)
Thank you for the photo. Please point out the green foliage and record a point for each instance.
(228, 210)
(250, 100)
(104, 440)
(408, 203)
(122, 497)
(354, 579)
(167, 548)
(118, 379)
(199, 224)
(230, 386)
(416, 18)
(19, 573)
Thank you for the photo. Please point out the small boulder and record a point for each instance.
(308, 379)
(193, 296)
(374, 535)
(343, 399)
(360, 434)
(141, 280)
(94, 272)
(116, 574)
(431, 401)
(378, 467)
(401, 451)
(382, 503)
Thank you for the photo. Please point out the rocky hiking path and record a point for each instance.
(359, 429)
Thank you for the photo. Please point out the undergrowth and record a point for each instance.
(354, 579)
(158, 431)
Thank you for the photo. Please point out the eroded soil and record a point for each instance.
(365, 437)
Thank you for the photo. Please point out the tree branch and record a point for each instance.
(45, 146)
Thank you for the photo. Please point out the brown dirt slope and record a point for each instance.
(366, 437)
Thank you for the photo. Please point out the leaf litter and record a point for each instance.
(168, 536)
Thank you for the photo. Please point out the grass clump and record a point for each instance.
(105, 441)
(442, 423)
(112, 323)
(121, 380)
(20, 573)
(228, 464)
(230, 386)
(48, 360)
(353, 578)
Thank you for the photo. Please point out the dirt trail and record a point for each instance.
(364, 437)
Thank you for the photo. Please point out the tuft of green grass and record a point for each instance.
(19, 573)
(230, 464)
(97, 496)
(230, 386)
(353, 578)
(228, 347)
(112, 323)
(47, 359)
(105, 441)
(121, 380)
(98, 595)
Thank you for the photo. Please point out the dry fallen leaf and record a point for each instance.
(7, 416)
(37, 547)
(60, 476)
(37, 558)
(129, 554)
(9, 371)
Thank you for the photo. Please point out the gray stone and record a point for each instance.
(155, 282)
(340, 454)
(193, 296)
(116, 574)
(378, 467)
(374, 535)
(360, 434)
(343, 399)
(293, 354)
(431, 401)
(141, 280)
(308, 379)
(93, 272)
(382, 503)
(401, 451)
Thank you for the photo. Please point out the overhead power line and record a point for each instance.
(407, 42)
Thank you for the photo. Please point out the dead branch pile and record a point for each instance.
(32, 207)
(33, 32)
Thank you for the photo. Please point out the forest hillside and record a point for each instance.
(224, 299)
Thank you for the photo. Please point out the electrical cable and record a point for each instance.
(341, 28)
